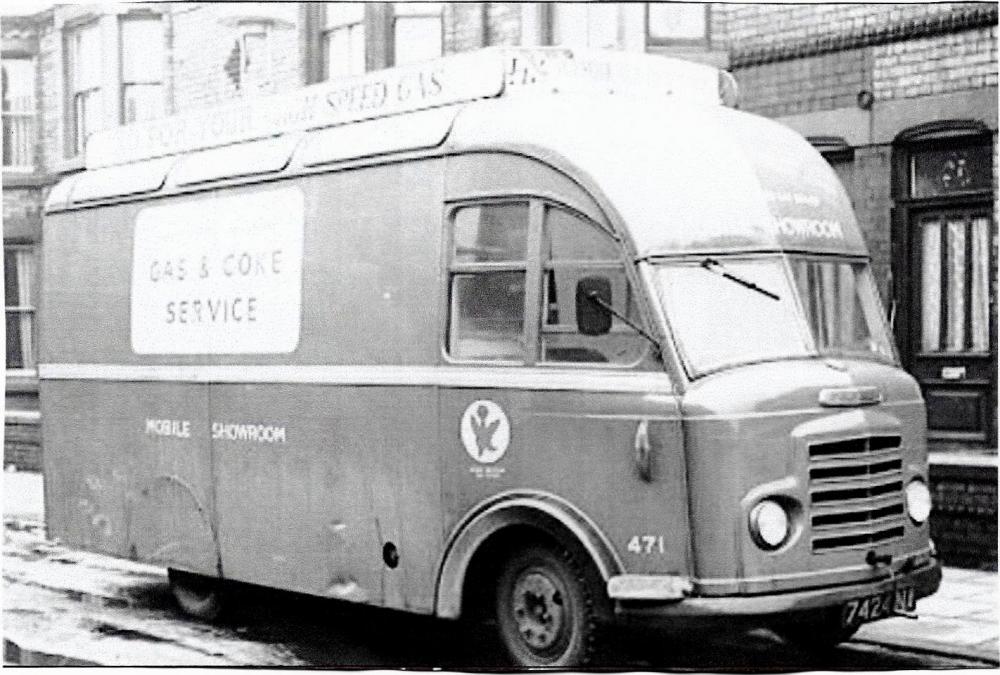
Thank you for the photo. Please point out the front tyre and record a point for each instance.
(197, 596)
(545, 609)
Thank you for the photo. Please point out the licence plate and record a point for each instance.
(899, 600)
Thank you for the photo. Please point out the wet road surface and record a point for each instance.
(78, 609)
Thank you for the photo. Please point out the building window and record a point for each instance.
(955, 255)
(83, 75)
(343, 39)
(585, 24)
(672, 23)
(142, 69)
(18, 114)
(416, 31)
(939, 172)
(19, 291)
(112, 83)
(249, 62)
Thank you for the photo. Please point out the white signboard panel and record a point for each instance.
(220, 275)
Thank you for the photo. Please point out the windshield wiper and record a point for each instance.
(715, 267)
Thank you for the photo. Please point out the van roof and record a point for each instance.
(460, 78)
(686, 178)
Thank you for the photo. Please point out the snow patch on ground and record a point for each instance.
(23, 496)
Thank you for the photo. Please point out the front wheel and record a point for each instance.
(197, 595)
(545, 609)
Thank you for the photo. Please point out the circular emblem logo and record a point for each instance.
(485, 431)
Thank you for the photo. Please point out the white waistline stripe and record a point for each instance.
(483, 377)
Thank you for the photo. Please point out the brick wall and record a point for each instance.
(22, 447)
(202, 38)
(793, 59)
(964, 520)
(23, 205)
(751, 25)
(867, 180)
(937, 64)
(504, 23)
(50, 100)
(463, 26)
(823, 82)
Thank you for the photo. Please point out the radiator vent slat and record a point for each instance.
(854, 446)
(852, 540)
(857, 485)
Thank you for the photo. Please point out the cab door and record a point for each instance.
(533, 403)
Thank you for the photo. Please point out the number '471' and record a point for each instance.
(646, 543)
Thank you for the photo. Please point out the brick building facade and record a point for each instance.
(901, 99)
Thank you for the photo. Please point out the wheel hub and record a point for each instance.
(538, 610)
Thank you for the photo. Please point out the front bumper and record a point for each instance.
(926, 579)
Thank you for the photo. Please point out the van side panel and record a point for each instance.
(355, 473)
(127, 464)
(328, 487)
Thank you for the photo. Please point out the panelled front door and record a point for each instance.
(949, 321)
(944, 237)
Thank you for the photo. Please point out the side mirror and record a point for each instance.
(593, 295)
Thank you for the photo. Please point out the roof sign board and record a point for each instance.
(441, 82)
(592, 71)
(460, 78)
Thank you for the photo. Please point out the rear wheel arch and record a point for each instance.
(482, 541)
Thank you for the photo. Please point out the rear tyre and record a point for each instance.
(818, 632)
(196, 595)
(545, 609)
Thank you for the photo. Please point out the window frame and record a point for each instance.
(454, 268)
(550, 24)
(251, 81)
(534, 267)
(107, 23)
(929, 136)
(324, 31)
(30, 309)
(966, 218)
(75, 141)
(123, 82)
(30, 118)
(546, 264)
(704, 41)
(394, 17)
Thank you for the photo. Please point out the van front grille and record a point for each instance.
(856, 492)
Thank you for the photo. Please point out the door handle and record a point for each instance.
(643, 451)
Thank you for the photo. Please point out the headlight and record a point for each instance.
(769, 524)
(918, 501)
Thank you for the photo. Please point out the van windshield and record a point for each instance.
(726, 312)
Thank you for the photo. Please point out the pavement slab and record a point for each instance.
(961, 618)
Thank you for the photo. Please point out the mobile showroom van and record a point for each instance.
(541, 335)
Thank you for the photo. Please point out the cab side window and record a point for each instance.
(574, 250)
(487, 282)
